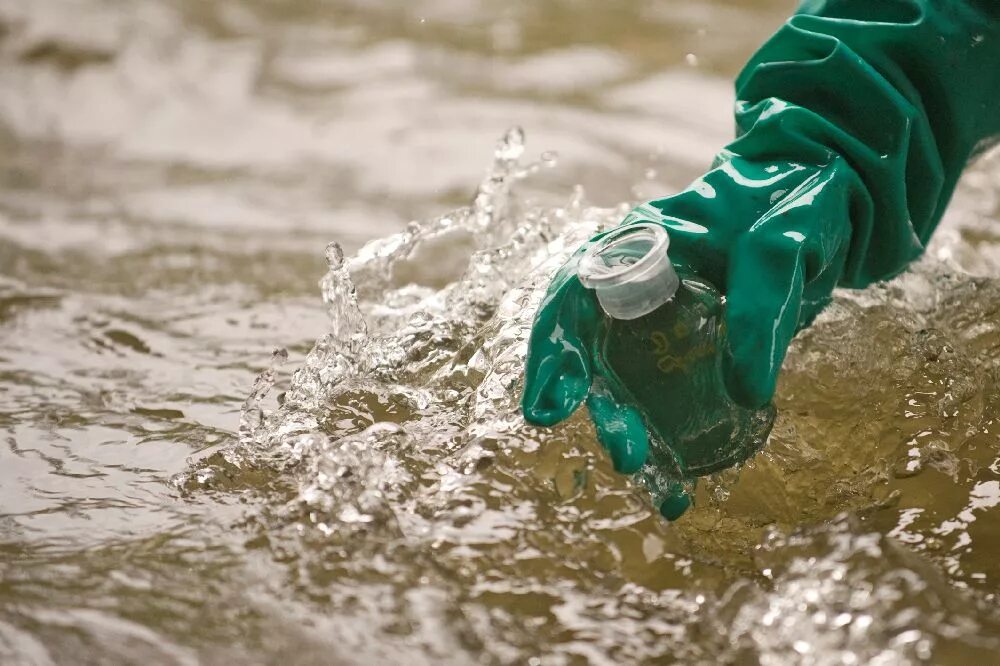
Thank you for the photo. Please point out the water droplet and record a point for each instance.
(252, 415)
(511, 146)
(334, 255)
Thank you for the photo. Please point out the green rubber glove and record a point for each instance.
(855, 122)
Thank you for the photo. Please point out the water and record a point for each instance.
(174, 173)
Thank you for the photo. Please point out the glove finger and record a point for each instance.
(557, 370)
(620, 430)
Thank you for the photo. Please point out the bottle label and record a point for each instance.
(678, 355)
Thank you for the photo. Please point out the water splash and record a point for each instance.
(347, 324)
(252, 415)
(403, 459)
(840, 594)
(491, 199)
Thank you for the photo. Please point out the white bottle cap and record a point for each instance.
(630, 271)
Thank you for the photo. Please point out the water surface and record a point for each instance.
(174, 172)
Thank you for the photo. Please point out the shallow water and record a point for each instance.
(174, 173)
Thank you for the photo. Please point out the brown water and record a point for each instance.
(173, 173)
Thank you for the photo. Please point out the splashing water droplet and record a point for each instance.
(341, 298)
(334, 256)
(252, 415)
(492, 198)
(511, 147)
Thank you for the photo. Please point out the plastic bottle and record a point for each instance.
(661, 345)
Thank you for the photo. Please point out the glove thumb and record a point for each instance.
(794, 253)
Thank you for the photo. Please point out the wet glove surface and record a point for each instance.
(783, 265)
(855, 122)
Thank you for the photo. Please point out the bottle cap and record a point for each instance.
(630, 271)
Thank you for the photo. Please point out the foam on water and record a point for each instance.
(419, 515)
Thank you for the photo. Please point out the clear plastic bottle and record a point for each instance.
(662, 345)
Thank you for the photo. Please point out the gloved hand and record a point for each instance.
(856, 120)
(778, 263)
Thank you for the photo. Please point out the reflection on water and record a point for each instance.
(173, 174)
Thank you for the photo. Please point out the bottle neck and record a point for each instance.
(640, 298)
(629, 270)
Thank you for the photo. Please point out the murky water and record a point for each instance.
(172, 175)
